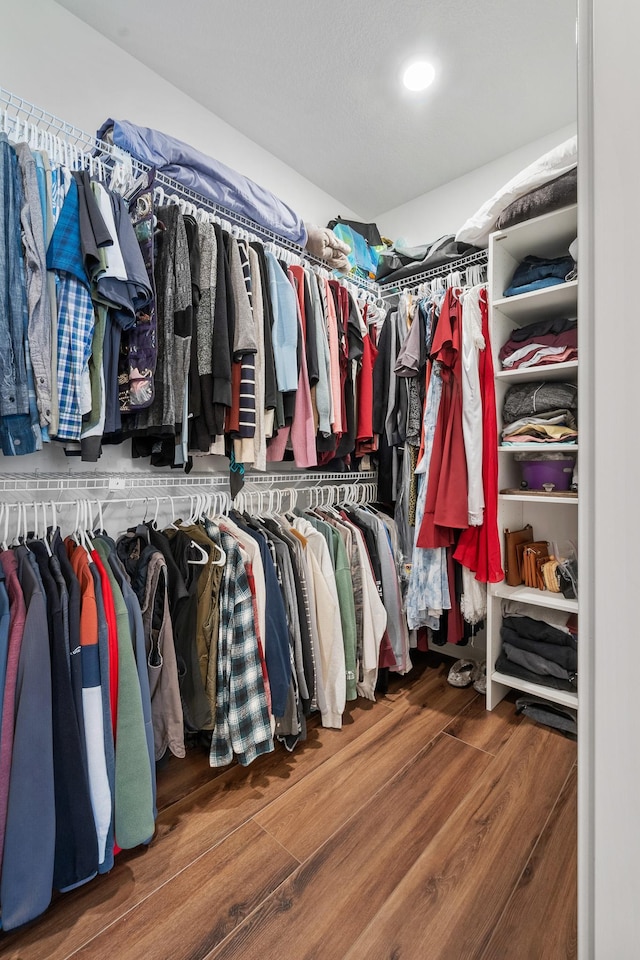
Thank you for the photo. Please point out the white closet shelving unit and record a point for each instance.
(552, 518)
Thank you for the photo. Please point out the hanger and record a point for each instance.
(20, 537)
(78, 535)
(100, 519)
(84, 528)
(203, 555)
(172, 524)
(5, 533)
(54, 519)
(44, 538)
(211, 501)
(36, 535)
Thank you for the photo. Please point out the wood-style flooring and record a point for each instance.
(426, 829)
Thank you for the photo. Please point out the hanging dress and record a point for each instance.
(479, 547)
(446, 507)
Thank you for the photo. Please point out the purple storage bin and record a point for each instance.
(537, 473)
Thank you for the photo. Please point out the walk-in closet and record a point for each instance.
(316, 476)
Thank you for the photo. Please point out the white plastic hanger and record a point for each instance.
(19, 537)
(203, 555)
(44, 537)
(100, 518)
(5, 533)
(36, 533)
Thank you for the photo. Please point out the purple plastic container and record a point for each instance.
(535, 473)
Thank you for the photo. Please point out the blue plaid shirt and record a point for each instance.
(76, 319)
(242, 718)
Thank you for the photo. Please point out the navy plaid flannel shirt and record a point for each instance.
(242, 724)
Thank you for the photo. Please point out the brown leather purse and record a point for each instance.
(514, 543)
(534, 555)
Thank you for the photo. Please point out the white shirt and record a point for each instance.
(472, 343)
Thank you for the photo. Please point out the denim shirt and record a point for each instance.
(14, 397)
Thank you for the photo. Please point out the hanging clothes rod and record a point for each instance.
(480, 258)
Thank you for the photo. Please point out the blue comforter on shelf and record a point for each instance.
(206, 176)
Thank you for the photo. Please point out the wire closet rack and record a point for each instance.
(479, 258)
(95, 150)
(27, 503)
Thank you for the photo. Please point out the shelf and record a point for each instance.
(538, 448)
(539, 598)
(561, 298)
(551, 371)
(547, 235)
(533, 497)
(565, 697)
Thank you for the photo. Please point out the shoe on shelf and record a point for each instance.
(480, 678)
(461, 673)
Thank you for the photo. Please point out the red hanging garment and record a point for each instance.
(446, 507)
(479, 547)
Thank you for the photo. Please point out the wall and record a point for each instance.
(445, 209)
(59, 63)
(609, 734)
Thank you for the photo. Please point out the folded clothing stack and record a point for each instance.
(538, 651)
(540, 344)
(540, 412)
(552, 715)
(534, 273)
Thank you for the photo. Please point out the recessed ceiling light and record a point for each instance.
(418, 75)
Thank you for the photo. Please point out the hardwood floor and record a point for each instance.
(426, 829)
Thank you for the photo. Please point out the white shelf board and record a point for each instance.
(538, 448)
(552, 371)
(558, 299)
(540, 598)
(530, 497)
(555, 229)
(565, 697)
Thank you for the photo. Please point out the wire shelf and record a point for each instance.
(55, 482)
(389, 289)
(26, 112)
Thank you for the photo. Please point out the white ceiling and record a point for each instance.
(317, 82)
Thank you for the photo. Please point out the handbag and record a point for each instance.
(550, 575)
(369, 231)
(568, 578)
(533, 554)
(514, 542)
